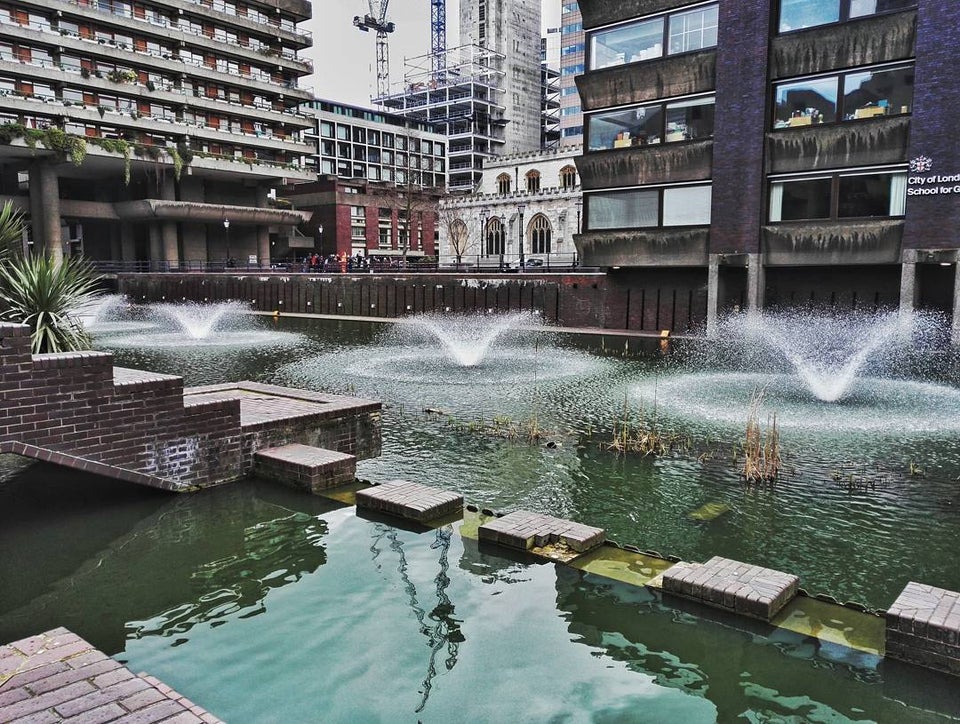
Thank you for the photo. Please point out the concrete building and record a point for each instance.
(572, 64)
(757, 153)
(361, 143)
(528, 207)
(153, 132)
(550, 88)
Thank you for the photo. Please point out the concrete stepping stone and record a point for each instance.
(305, 467)
(524, 530)
(734, 586)
(923, 627)
(412, 501)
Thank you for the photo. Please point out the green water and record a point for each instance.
(267, 605)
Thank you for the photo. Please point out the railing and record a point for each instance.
(366, 265)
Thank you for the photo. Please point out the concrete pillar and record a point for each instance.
(263, 232)
(128, 249)
(156, 245)
(713, 294)
(955, 327)
(908, 281)
(756, 283)
(168, 233)
(45, 210)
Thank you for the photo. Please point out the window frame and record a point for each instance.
(843, 16)
(836, 177)
(662, 107)
(660, 190)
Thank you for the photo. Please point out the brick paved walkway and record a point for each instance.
(56, 676)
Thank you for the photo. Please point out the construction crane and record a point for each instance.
(376, 20)
(438, 37)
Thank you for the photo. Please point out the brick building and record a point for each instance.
(773, 152)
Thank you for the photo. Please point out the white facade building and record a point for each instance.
(538, 192)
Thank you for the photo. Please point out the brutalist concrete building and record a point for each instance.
(153, 131)
(760, 153)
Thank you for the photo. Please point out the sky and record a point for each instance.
(344, 57)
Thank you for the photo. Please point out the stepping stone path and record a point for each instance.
(923, 627)
(412, 501)
(734, 586)
(305, 467)
(525, 530)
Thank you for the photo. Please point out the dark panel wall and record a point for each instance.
(741, 120)
(932, 221)
(866, 288)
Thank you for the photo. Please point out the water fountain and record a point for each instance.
(817, 372)
(108, 314)
(466, 340)
(199, 321)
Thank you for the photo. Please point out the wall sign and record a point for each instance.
(923, 183)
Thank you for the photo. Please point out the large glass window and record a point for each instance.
(840, 196)
(852, 96)
(687, 206)
(645, 125)
(693, 30)
(646, 208)
(800, 14)
(679, 32)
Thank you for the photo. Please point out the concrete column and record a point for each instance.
(168, 233)
(45, 210)
(756, 283)
(955, 327)
(713, 294)
(263, 232)
(908, 281)
(127, 245)
(156, 245)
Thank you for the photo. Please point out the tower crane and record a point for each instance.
(376, 20)
(438, 36)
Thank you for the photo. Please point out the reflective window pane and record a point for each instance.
(620, 129)
(881, 194)
(688, 120)
(629, 44)
(688, 206)
(859, 8)
(693, 30)
(796, 200)
(798, 14)
(879, 93)
(623, 209)
(806, 102)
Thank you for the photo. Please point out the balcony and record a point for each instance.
(826, 243)
(641, 165)
(839, 145)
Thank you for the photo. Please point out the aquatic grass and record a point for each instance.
(761, 448)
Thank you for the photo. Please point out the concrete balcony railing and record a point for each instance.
(826, 243)
(295, 36)
(680, 246)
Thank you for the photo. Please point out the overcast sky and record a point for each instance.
(345, 57)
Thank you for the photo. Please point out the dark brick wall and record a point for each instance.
(740, 122)
(69, 403)
(932, 221)
(570, 300)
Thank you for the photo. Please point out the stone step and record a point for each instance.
(305, 467)
(524, 530)
(734, 586)
(923, 627)
(412, 501)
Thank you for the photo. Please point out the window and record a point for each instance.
(644, 125)
(850, 97)
(539, 235)
(533, 182)
(503, 183)
(800, 14)
(839, 196)
(679, 32)
(568, 177)
(693, 30)
(649, 208)
(326, 129)
(496, 237)
(358, 232)
(358, 212)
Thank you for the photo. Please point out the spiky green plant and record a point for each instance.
(45, 294)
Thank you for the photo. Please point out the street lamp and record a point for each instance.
(226, 231)
(320, 237)
(579, 209)
(501, 238)
(484, 213)
(520, 209)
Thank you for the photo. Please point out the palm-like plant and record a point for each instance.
(43, 293)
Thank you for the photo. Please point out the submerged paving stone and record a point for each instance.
(526, 530)
(410, 500)
(57, 676)
(739, 587)
(923, 627)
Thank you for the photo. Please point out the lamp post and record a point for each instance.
(319, 238)
(520, 209)
(579, 209)
(226, 231)
(484, 213)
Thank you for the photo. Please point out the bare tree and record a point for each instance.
(457, 231)
(415, 205)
